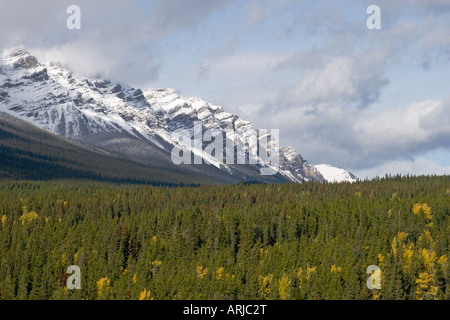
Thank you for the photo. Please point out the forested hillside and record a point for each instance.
(291, 241)
(28, 152)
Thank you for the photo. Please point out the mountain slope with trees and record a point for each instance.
(28, 152)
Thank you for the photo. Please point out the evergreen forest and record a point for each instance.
(260, 241)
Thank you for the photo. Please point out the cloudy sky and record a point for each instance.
(371, 101)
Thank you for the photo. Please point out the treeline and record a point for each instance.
(291, 241)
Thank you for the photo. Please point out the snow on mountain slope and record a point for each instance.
(182, 112)
(132, 122)
(333, 174)
(54, 99)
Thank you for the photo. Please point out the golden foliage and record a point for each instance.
(443, 262)
(376, 294)
(145, 295)
(427, 239)
(416, 208)
(408, 252)
(310, 271)
(423, 208)
(220, 272)
(201, 272)
(307, 274)
(156, 263)
(425, 290)
(3, 219)
(76, 256)
(428, 257)
(398, 240)
(103, 287)
(381, 261)
(265, 284)
(284, 287)
(28, 216)
(335, 269)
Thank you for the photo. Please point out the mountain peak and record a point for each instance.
(14, 50)
(19, 57)
(289, 152)
(333, 174)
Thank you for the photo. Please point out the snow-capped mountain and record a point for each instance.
(139, 124)
(333, 174)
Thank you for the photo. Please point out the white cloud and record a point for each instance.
(80, 58)
(250, 65)
(406, 132)
(327, 84)
(118, 39)
(356, 138)
(241, 78)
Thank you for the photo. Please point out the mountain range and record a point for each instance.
(134, 131)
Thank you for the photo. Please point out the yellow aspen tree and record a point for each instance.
(398, 241)
(310, 271)
(265, 284)
(429, 258)
(27, 217)
(104, 288)
(426, 240)
(381, 261)
(284, 287)
(426, 290)
(335, 269)
(220, 273)
(443, 262)
(408, 252)
(423, 208)
(145, 295)
(201, 272)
